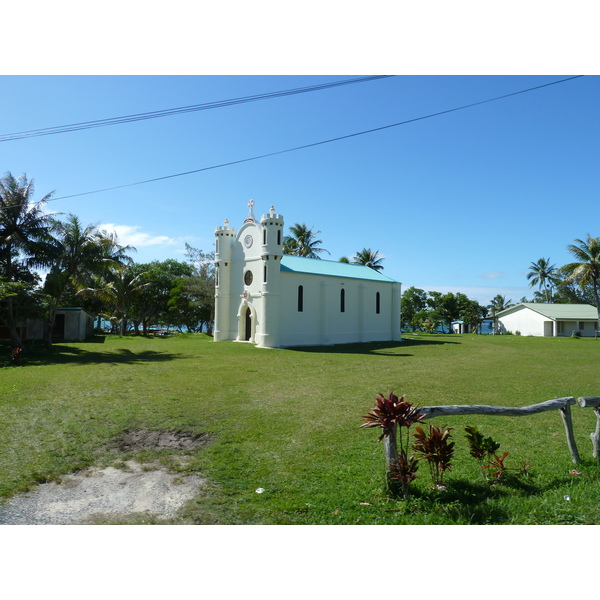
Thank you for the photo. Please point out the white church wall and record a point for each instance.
(321, 320)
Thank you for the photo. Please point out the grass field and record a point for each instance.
(287, 420)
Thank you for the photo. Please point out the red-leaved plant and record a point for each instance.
(496, 465)
(16, 355)
(389, 413)
(437, 449)
(404, 470)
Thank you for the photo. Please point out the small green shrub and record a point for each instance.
(484, 449)
(481, 448)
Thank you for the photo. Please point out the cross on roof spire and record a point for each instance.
(250, 210)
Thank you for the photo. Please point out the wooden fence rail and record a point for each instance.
(561, 404)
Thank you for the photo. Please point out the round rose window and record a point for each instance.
(248, 277)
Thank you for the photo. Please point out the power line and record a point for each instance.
(19, 135)
(313, 144)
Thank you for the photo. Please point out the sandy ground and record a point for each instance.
(102, 495)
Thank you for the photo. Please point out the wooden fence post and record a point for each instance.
(593, 401)
(565, 413)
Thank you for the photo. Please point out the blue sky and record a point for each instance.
(459, 202)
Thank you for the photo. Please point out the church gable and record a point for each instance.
(248, 241)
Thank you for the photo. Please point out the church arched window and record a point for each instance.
(300, 298)
(343, 300)
(377, 303)
(279, 237)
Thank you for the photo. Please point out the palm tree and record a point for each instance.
(542, 274)
(302, 242)
(498, 304)
(368, 258)
(118, 287)
(24, 229)
(80, 253)
(587, 270)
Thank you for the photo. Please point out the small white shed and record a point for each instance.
(70, 325)
(549, 320)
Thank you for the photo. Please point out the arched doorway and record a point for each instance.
(247, 325)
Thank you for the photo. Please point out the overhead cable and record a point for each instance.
(19, 135)
(311, 145)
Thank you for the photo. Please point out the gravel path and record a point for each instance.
(102, 494)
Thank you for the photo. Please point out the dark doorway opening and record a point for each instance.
(248, 325)
(58, 331)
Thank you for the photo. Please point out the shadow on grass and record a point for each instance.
(379, 348)
(63, 354)
(473, 503)
(94, 339)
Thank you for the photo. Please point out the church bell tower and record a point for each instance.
(247, 285)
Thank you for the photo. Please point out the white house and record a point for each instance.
(274, 300)
(532, 318)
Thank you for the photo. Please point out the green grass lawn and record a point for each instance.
(288, 421)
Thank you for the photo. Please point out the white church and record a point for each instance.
(274, 300)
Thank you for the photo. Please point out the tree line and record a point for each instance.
(574, 283)
(88, 268)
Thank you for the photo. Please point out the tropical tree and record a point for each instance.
(414, 305)
(79, 254)
(200, 287)
(368, 258)
(498, 304)
(446, 307)
(151, 305)
(188, 307)
(472, 313)
(543, 275)
(434, 314)
(302, 242)
(118, 287)
(24, 232)
(571, 292)
(586, 271)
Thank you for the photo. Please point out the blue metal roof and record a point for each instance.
(330, 268)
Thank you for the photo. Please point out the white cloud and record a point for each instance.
(492, 275)
(130, 235)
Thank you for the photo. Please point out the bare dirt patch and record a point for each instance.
(136, 493)
(143, 439)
